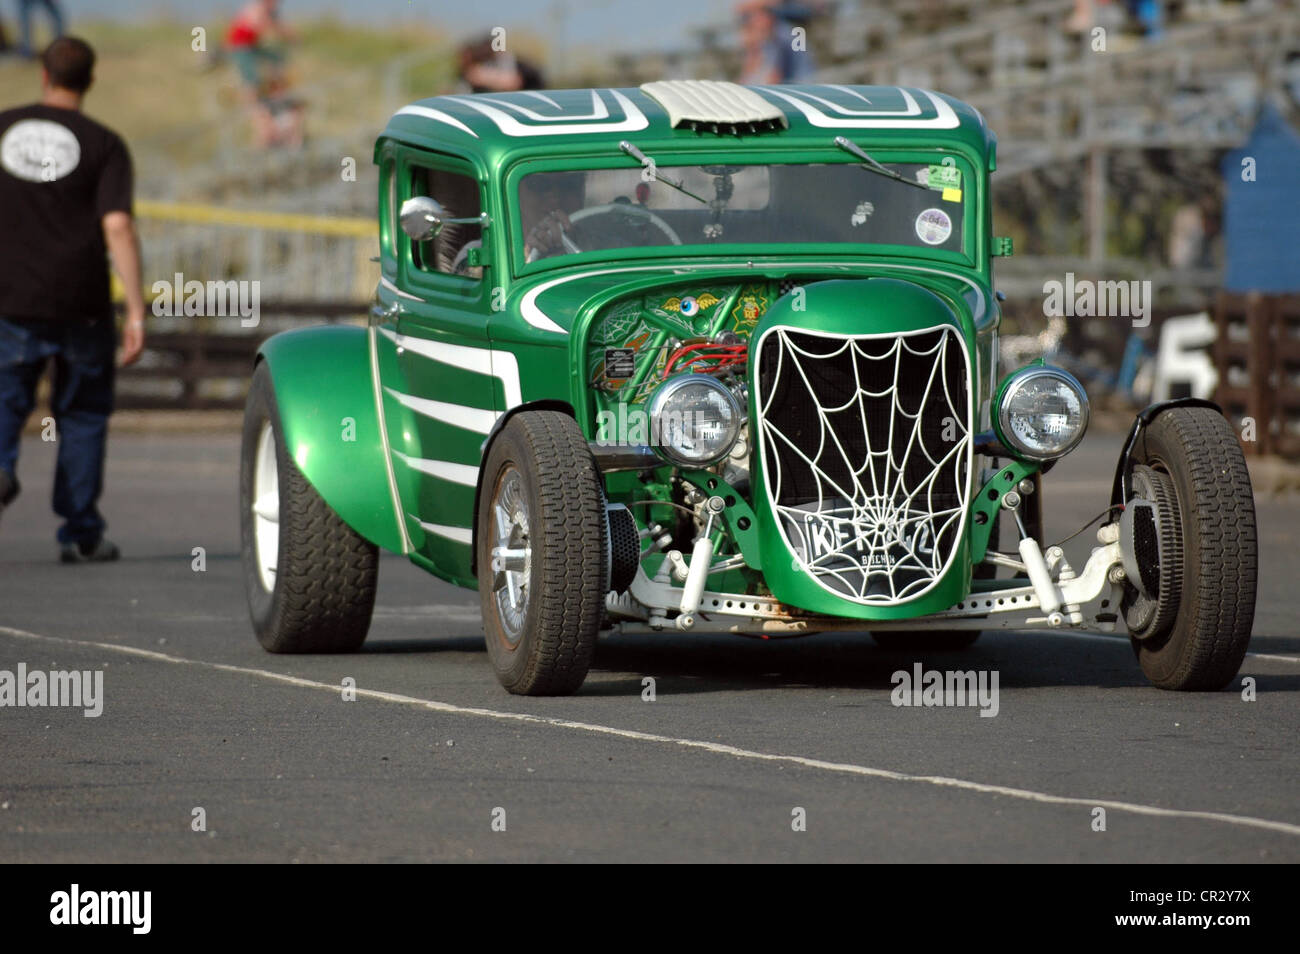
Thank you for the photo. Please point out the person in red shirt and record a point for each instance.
(254, 43)
(65, 204)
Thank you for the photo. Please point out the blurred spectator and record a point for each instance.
(65, 205)
(485, 69)
(1150, 15)
(25, 9)
(768, 42)
(1192, 232)
(1081, 17)
(255, 43)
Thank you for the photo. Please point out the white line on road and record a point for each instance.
(846, 768)
(1290, 659)
(1119, 640)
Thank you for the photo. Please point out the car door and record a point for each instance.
(434, 362)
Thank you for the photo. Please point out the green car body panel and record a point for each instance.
(326, 399)
(851, 309)
(444, 358)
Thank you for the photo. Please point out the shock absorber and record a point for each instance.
(701, 559)
(1049, 598)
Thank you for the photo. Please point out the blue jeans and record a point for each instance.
(25, 22)
(81, 400)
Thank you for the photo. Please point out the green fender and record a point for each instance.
(326, 396)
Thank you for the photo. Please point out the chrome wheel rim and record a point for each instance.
(512, 554)
(266, 508)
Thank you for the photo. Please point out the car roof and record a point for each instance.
(699, 114)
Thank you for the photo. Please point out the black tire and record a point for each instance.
(545, 647)
(325, 574)
(1203, 642)
(927, 640)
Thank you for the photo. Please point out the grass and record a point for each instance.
(177, 107)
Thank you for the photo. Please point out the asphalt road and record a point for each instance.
(741, 733)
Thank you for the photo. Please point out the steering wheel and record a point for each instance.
(622, 208)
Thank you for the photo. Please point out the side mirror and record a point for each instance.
(422, 217)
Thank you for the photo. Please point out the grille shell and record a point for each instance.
(865, 445)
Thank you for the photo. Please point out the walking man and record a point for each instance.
(25, 10)
(65, 203)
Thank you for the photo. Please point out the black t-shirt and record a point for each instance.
(60, 174)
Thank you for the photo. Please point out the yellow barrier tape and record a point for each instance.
(281, 221)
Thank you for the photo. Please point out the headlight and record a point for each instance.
(695, 420)
(1042, 413)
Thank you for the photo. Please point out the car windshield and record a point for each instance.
(564, 213)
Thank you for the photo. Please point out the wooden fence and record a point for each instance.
(205, 370)
(1257, 355)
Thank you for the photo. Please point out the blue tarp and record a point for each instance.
(1261, 219)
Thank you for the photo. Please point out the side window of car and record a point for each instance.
(448, 252)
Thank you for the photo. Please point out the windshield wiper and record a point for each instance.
(653, 166)
(871, 164)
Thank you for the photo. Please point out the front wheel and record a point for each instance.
(540, 551)
(310, 578)
(1192, 630)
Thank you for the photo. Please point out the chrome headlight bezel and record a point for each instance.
(660, 403)
(1011, 386)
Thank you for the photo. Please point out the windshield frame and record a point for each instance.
(974, 242)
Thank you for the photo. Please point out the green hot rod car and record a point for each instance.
(701, 357)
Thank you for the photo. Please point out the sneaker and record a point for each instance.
(101, 551)
(8, 490)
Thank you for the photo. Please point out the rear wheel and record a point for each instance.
(1191, 630)
(541, 554)
(310, 578)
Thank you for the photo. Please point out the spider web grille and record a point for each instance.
(866, 451)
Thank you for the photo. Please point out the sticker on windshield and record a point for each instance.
(933, 226)
(943, 177)
(861, 213)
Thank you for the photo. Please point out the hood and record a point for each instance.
(565, 302)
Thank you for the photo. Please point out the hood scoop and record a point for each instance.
(715, 106)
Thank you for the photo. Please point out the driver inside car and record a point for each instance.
(545, 203)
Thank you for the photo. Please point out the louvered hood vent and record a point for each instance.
(715, 106)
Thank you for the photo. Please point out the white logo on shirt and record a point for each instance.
(39, 150)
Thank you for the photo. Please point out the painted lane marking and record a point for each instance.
(845, 768)
(442, 613)
(1290, 659)
(1120, 641)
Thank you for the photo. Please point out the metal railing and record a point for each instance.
(292, 257)
(308, 269)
